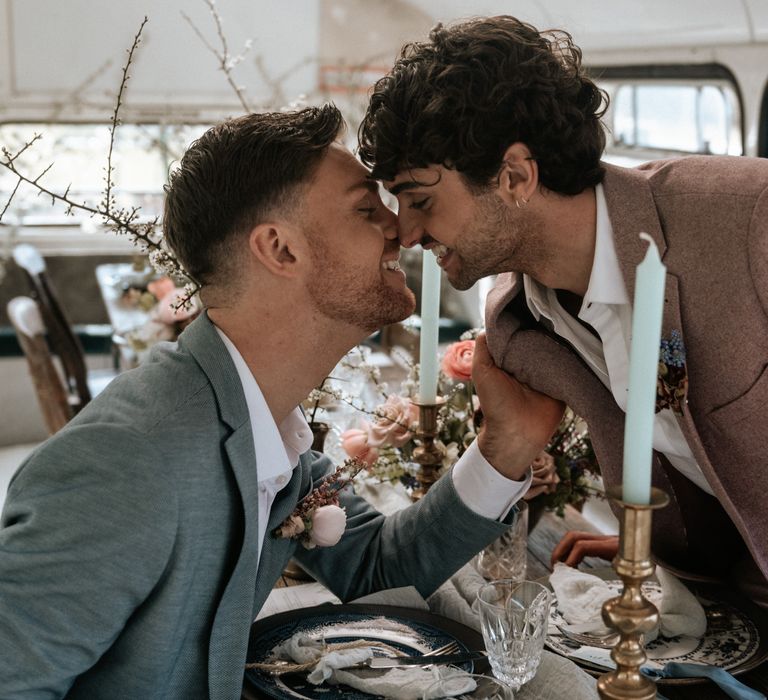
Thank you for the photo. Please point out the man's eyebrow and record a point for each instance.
(367, 184)
(405, 185)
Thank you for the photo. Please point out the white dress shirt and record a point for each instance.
(278, 448)
(606, 307)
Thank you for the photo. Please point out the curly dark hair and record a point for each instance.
(461, 98)
(235, 175)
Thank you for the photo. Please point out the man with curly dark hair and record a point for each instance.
(490, 136)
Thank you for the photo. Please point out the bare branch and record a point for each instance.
(11, 158)
(10, 199)
(277, 97)
(115, 116)
(226, 62)
(37, 179)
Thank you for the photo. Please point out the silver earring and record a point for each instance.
(521, 206)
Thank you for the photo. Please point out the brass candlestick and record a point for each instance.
(631, 614)
(428, 454)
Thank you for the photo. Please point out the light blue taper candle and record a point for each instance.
(430, 315)
(647, 310)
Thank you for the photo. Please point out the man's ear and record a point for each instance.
(277, 247)
(519, 175)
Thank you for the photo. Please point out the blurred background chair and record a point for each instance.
(80, 384)
(51, 391)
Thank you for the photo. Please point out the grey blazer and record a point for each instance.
(709, 218)
(127, 541)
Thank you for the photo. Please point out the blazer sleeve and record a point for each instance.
(84, 538)
(421, 545)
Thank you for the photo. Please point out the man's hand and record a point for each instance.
(545, 478)
(517, 421)
(576, 545)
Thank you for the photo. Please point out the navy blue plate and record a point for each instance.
(414, 632)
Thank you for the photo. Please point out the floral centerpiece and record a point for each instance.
(167, 316)
(385, 436)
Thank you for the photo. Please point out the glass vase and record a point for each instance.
(507, 557)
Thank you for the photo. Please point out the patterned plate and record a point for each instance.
(733, 640)
(414, 632)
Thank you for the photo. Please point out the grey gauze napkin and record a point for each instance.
(557, 677)
(580, 598)
(407, 683)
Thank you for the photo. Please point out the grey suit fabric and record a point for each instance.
(709, 218)
(128, 540)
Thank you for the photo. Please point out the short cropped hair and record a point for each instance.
(235, 175)
(461, 98)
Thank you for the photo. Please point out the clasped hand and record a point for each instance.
(517, 421)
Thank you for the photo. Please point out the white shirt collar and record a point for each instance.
(277, 448)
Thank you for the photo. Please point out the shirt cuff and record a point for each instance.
(483, 489)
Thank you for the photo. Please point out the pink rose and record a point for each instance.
(355, 443)
(328, 524)
(395, 422)
(168, 314)
(457, 361)
(161, 287)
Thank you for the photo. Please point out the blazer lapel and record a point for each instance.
(276, 551)
(632, 210)
(229, 633)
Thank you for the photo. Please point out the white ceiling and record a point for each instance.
(68, 55)
(612, 24)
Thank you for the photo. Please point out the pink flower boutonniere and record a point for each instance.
(318, 520)
(672, 382)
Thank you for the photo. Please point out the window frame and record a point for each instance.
(611, 77)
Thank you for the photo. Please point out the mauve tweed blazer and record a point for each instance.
(709, 218)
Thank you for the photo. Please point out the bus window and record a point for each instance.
(686, 118)
(142, 156)
(662, 111)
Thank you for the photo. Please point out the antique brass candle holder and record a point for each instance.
(631, 614)
(429, 453)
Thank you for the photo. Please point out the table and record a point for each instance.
(541, 541)
(122, 317)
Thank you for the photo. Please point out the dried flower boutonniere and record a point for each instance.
(318, 520)
(672, 382)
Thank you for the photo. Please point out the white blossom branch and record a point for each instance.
(226, 62)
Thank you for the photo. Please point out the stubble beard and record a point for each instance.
(496, 240)
(347, 296)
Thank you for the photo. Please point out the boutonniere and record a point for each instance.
(672, 382)
(318, 520)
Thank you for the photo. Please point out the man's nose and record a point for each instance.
(409, 232)
(390, 228)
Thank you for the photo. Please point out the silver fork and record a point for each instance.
(606, 641)
(450, 648)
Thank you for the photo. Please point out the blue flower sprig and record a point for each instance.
(672, 350)
(672, 382)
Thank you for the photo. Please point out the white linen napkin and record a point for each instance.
(406, 683)
(580, 598)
